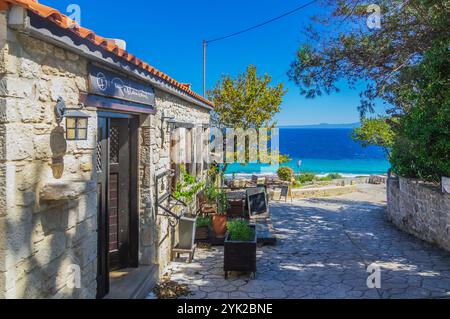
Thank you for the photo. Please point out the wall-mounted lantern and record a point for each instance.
(76, 121)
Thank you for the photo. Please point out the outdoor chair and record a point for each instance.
(204, 208)
(236, 209)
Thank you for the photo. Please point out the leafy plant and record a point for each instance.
(211, 193)
(187, 188)
(203, 221)
(324, 179)
(421, 147)
(376, 132)
(248, 101)
(335, 176)
(222, 202)
(240, 230)
(341, 47)
(285, 174)
(306, 177)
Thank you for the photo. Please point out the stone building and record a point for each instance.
(85, 128)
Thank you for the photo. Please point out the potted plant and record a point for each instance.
(187, 188)
(240, 247)
(202, 230)
(219, 220)
(211, 196)
(186, 191)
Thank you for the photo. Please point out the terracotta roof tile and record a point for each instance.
(65, 22)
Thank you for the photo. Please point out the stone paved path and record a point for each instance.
(324, 248)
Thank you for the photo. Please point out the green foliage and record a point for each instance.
(187, 188)
(329, 177)
(306, 177)
(285, 173)
(248, 101)
(211, 193)
(203, 221)
(335, 176)
(422, 145)
(342, 47)
(222, 202)
(240, 230)
(405, 63)
(376, 132)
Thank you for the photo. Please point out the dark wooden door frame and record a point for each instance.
(119, 184)
(104, 122)
(102, 188)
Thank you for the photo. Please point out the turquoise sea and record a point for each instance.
(323, 151)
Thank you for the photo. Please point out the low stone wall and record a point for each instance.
(316, 192)
(420, 209)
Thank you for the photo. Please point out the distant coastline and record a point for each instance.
(322, 149)
(322, 126)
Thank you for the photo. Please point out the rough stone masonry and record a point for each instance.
(420, 209)
(40, 237)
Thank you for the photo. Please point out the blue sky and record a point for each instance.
(168, 35)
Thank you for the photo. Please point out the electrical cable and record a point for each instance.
(263, 23)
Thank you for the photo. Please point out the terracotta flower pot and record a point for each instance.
(219, 225)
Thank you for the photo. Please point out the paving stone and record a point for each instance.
(323, 250)
(217, 295)
(239, 295)
(228, 288)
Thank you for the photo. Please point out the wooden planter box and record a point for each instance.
(240, 256)
(202, 234)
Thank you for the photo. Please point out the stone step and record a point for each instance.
(133, 283)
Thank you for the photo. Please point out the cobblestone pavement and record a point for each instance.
(324, 248)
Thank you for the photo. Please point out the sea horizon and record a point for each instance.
(322, 151)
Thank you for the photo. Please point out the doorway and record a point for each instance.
(118, 230)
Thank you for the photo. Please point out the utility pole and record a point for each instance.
(204, 68)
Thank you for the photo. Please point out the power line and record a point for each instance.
(263, 23)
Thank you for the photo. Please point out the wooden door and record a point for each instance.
(102, 193)
(119, 194)
(117, 171)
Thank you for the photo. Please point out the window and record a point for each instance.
(189, 152)
(206, 147)
(76, 128)
(175, 156)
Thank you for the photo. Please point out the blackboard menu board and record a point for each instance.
(257, 201)
(284, 191)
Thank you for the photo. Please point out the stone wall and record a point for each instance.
(157, 237)
(420, 209)
(40, 240)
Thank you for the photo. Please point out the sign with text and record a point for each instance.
(110, 84)
(257, 201)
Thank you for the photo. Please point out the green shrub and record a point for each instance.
(203, 221)
(335, 176)
(306, 177)
(422, 145)
(285, 173)
(222, 202)
(240, 230)
(211, 193)
(187, 188)
(324, 179)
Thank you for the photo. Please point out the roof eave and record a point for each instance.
(25, 21)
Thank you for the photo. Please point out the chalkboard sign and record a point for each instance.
(257, 201)
(284, 191)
